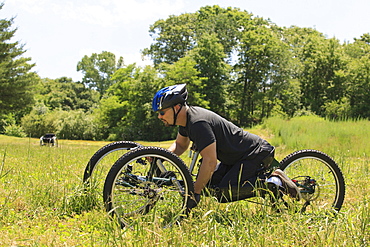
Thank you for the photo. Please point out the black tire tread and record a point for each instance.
(103, 151)
(323, 156)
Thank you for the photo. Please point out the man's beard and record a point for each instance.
(167, 124)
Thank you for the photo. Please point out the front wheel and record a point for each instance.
(148, 184)
(319, 179)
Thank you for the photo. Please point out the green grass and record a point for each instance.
(42, 201)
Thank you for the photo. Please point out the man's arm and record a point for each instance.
(207, 167)
(180, 145)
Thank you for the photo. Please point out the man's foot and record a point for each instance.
(290, 188)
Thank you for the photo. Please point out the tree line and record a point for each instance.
(243, 67)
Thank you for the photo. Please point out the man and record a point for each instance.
(243, 156)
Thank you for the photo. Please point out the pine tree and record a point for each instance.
(16, 80)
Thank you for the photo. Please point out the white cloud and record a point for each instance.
(32, 6)
(88, 13)
(132, 10)
(103, 12)
(137, 58)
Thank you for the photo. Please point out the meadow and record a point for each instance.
(42, 201)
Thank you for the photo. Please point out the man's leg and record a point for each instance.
(232, 183)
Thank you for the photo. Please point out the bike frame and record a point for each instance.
(308, 187)
(194, 155)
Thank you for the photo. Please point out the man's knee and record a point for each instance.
(224, 195)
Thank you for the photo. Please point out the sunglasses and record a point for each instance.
(163, 112)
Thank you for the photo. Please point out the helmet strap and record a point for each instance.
(175, 114)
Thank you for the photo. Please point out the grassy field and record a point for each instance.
(42, 201)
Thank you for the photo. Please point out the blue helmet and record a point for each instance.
(170, 96)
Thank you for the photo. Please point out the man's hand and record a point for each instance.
(193, 201)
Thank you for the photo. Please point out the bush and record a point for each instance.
(337, 110)
(74, 125)
(37, 123)
(14, 130)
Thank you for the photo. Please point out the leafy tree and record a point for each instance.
(359, 76)
(126, 111)
(319, 65)
(16, 80)
(297, 39)
(184, 71)
(322, 79)
(141, 122)
(290, 96)
(225, 23)
(115, 107)
(259, 61)
(173, 38)
(108, 115)
(214, 38)
(210, 62)
(98, 69)
(177, 35)
(63, 93)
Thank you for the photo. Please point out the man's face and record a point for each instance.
(165, 116)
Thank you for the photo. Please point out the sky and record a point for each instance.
(56, 34)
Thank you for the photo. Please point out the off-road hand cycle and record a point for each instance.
(153, 183)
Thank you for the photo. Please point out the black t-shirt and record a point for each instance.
(233, 144)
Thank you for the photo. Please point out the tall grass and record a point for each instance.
(346, 141)
(311, 132)
(42, 201)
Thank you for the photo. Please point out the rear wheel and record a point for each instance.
(99, 164)
(319, 179)
(148, 184)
